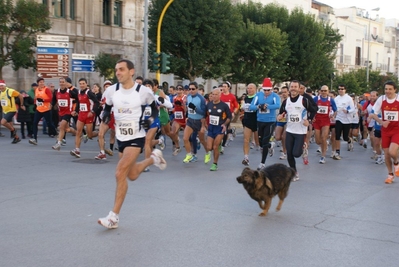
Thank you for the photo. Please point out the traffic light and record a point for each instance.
(165, 62)
(156, 61)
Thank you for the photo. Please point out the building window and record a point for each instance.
(106, 15)
(358, 56)
(118, 13)
(45, 2)
(58, 8)
(72, 9)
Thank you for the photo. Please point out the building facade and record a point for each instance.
(93, 26)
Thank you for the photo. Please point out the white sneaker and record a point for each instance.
(57, 146)
(318, 150)
(380, 160)
(159, 161)
(271, 149)
(110, 222)
(283, 156)
(322, 160)
(252, 145)
(260, 166)
(161, 142)
(296, 177)
(176, 151)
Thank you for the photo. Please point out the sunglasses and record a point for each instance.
(267, 90)
(341, 88)
(323, 90)
(192, 88)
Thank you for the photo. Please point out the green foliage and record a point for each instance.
(260, 51)
(19, 25)
(199, 35)
(105, 65)
(355, 81)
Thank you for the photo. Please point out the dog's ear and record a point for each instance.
(258, 180)
(269, 183)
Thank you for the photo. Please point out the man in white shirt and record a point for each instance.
(345, 108)
(127, 99)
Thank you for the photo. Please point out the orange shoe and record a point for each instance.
(396, 167)
(389, 179)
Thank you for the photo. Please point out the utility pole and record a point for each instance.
(145, 63)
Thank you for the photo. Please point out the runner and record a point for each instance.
(388, 105)
(128, 99)
(266, 104)
(86, 110)
(249, 121)
(219, 117)
(63, 98)
(321, 122)
(9, 108)
(299, 112)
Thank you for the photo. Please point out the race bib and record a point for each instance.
(214, 120)
(126, 128)
(147, 111)
(179, 115)
(62, 102)
(39, 104)
(323, 110)
(295, 118)
(83, 107)
(3, 103)
(391, 115)
(246, 107)
(191, 111)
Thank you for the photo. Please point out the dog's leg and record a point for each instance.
(261, 204)
(279, 204)
(266, 208)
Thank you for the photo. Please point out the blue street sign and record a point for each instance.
(82, 62)
(50, 50)
(83, 68)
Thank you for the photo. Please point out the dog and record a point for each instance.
(264, 184)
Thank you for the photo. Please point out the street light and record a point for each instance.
(368, 50)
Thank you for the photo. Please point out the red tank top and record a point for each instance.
(64, 102)
(390, 112)
(324, 108)
(85, 103)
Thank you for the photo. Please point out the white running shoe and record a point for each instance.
(283, 155)
(380, 160)
(161, 142)
(260, 166)
(318, 150)
(57, 146)
(322, 160)
(296, 177)
(159, 161)
(271, 149)
(110, 222)
(176, 151)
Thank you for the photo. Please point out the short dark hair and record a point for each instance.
(129, 64)
(39, 79)
(174, 88)
(295, 81)
(342, 85)
(83, 79)
(139, 78)
(194, 83)
(390, 82)
(155, 82)
(148, 81)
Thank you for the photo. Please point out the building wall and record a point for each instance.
(89, 35)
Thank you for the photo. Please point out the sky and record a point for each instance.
(389, 9)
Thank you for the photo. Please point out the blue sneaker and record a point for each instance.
(194, 158)
(198, 144)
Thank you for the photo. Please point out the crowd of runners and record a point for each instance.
(141, 117)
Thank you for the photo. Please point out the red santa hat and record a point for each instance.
(2, 82)
(267, 84)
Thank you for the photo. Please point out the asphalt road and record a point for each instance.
(338, 214)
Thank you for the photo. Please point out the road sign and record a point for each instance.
(52, 44)
(83, 63)
(49, 50)
(53, 38)
(52, 56)
(83, 69)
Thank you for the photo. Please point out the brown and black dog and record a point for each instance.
(263, 185)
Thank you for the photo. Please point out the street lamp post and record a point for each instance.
(368, 49)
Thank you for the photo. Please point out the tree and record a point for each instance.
(259, 53)
(105, 65)
(19, 25)
(199, 35)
